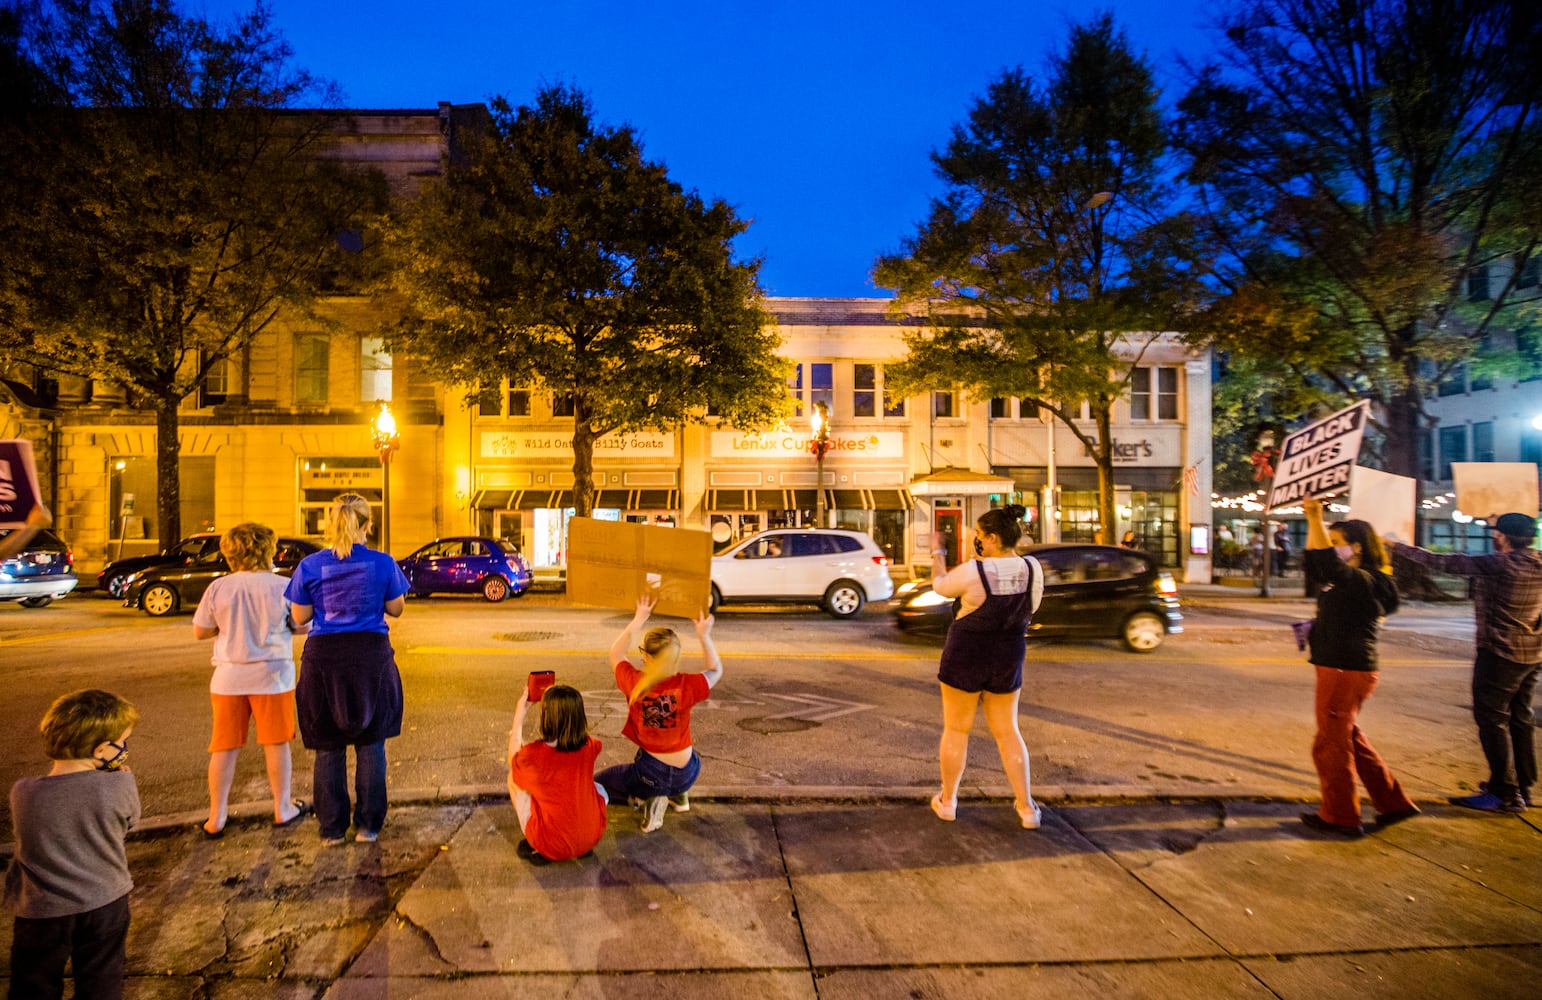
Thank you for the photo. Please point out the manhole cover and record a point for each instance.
(526, 636)
(767, 727)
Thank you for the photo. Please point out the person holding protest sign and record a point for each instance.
(1356, 592)
(1507, 607)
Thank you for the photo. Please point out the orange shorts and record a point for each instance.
(232, 712)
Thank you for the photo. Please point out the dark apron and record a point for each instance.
(984, 650)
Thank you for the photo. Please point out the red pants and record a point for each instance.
(1341, 750)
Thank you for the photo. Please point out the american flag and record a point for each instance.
(1191, 478)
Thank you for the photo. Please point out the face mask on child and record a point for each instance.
(117, 760)
(1345, 552)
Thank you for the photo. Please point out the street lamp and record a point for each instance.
(386, 440)
(1263, 462)
(819, 443)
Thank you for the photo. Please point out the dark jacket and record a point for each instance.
(1350, 605)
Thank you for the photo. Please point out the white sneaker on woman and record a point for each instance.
(653, 814)
(1030, 816)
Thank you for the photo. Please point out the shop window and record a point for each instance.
(323, 478)
(1154, 516)
(374, 370)
(1483, 441)
(134, 506)
(312, 357)
(562, 404)
(1453, 448)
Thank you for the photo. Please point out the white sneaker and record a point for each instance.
(653, 815)
(365, 837)
(1031, 816)
(680, 803)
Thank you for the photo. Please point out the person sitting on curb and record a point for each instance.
(1507, 609)
(658, 719)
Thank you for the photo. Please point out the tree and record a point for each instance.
(554, 255)
(1359, 161)
(174, 207)
(1048, 267)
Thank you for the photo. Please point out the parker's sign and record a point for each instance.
(1316, 460)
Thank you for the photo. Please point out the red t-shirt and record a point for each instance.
(660, 721)
(567, 815)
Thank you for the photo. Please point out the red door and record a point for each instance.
(948, 523)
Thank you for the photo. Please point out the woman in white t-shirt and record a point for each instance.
(246, 615)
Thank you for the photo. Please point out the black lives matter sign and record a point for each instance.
(1316, 460)
(18, 482)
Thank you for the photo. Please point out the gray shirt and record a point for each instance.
(69, 830)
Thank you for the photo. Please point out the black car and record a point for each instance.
(1090, 592)
(184, 553)
(162, 590)
(42, 572)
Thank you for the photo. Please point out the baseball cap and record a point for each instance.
(1516, 525)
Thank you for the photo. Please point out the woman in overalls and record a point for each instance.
(982, 660)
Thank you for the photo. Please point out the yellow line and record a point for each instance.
(593, 653)
(63, 635)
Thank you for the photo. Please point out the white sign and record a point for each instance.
(1484, 488)
(1385, 501)
(348, 478)
(1316, 460)
(788, 444)
(539, 444)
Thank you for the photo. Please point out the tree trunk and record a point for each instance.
(168, 473)
(583, 457)
(1108, 521)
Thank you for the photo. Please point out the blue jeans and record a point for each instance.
(330, 786)
(648, 777)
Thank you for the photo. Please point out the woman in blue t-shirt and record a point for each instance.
(349, 691)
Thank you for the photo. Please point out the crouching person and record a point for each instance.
(561, 808)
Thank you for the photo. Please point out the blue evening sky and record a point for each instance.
(813, 119)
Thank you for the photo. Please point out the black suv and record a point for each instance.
(1090, 592)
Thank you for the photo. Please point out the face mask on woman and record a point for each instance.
(1345, 552)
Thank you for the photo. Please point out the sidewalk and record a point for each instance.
(866, 897)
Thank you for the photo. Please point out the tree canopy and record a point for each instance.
(1051, 262)
(556, 256)
(1370, 172)
(161, 203)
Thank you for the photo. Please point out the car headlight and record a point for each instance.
(930, 599)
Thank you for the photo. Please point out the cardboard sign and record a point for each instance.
(1385, 501)
(1316, 460)
(18, 483)
(612, 563)
(1484, 488)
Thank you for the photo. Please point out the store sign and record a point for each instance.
(534, 444)
(362, 478)
(790, 444)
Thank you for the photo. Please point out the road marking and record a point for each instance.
(746, 655)
(27, 640)
(818, 708)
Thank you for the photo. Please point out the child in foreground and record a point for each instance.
(561, 807)
(69, 882)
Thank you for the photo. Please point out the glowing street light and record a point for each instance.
(819, 443)
(386, 440)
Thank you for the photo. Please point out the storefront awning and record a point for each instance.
(891, 499)
(654, 500)
(493, 499)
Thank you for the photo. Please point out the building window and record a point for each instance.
(1481, 379)
(1483, 441)
(1529, 344)
(1140, 394)
(312, 355)
(374, 370)
(1164, 387)
(216, 384)
(519, 402)
(1531, 444)
(1477, 284)
(490, 402)
(133, 503)
(1529, 273)
(1167, 393)
(864, 390)
(942, 404)
(322, 479)
(1427, 454)
(821, 385)
(1455, 383)
(1453, 448)
(1001, 408)
(562, 404)
(795, 389)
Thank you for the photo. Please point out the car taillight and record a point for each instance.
(881, 560)
(1165, 585)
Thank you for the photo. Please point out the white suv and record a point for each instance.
(840, 570)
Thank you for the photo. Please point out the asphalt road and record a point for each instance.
(1225, 708)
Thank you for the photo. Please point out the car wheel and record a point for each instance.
(35, 602)
(159, 600)
(844, 599)
(495, 589)
(115, 584)
(1143, 632)
(715, 600)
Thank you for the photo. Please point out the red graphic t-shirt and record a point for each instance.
(660, 721)
(567, 815)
